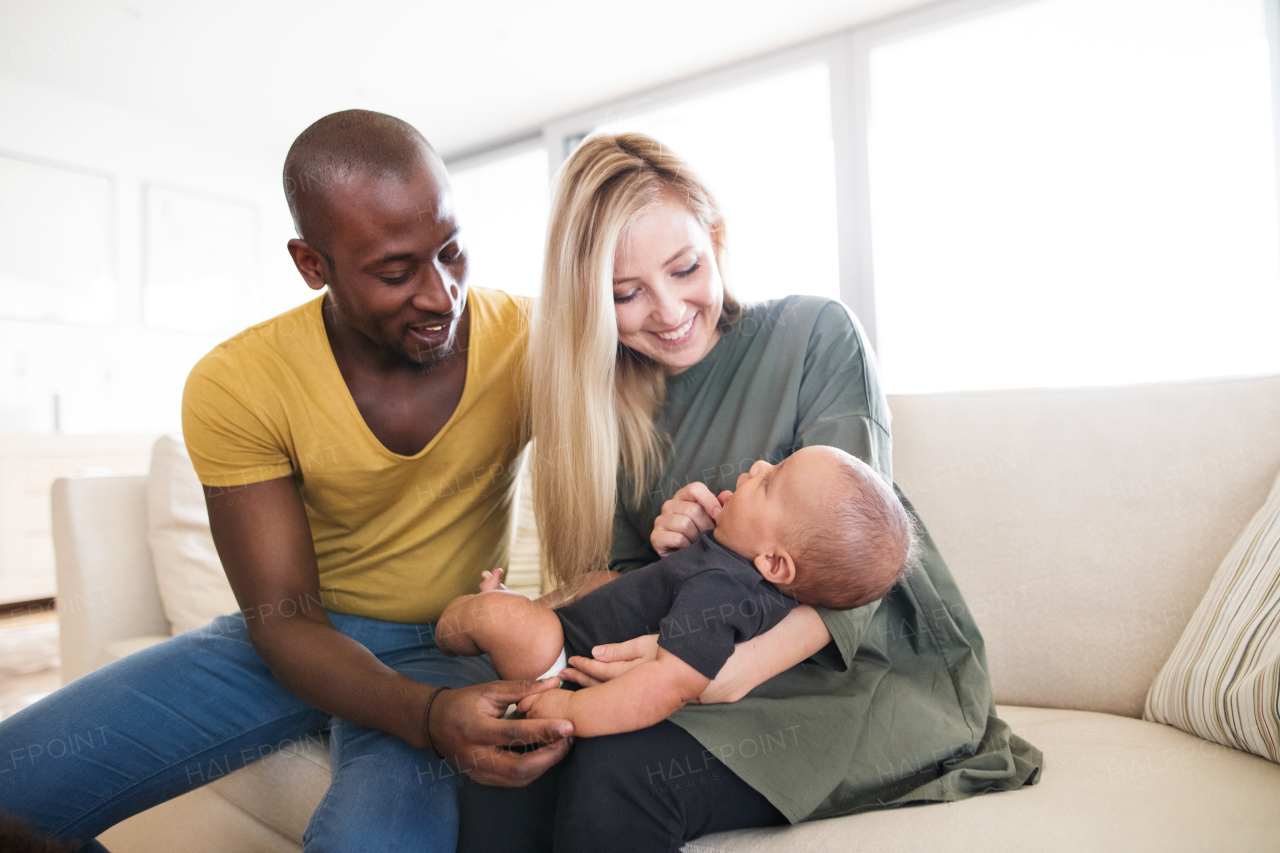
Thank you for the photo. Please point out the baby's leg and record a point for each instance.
(522, 638)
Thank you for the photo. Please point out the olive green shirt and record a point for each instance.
(898, 708)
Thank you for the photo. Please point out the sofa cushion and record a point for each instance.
(1083, 525)
(199, 821)
(283, 789)
(106, 581)
(524, 569)
(263, 808)
(118, 649)
(193, 588)
(1222, 681)
(1109, 783)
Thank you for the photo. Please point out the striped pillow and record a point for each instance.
(1222, 681)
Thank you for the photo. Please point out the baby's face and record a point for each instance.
(767, 497)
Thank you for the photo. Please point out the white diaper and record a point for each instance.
(561, 663)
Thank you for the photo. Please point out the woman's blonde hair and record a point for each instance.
(593, 400)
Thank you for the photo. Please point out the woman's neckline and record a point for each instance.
(713, 355)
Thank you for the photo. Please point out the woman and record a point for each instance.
(647, 376)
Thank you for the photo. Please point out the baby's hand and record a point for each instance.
(689, 513)
(548, 705)
(491, 581)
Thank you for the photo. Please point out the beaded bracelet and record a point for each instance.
(426, 719)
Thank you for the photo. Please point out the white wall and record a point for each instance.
(127, 378)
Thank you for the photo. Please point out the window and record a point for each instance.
(502, 209)
(764, 148)
(1074, 192)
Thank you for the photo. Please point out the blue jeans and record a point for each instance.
(193, 708)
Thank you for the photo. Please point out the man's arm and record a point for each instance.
(641, 697)
(264, 540)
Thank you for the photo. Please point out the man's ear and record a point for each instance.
(312, 265)
(778, 569)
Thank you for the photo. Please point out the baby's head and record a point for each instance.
(822, 526)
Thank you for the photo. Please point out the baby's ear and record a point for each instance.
(778, 569)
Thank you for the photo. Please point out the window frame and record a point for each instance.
(847, 54)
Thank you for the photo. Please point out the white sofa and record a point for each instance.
(1083, 526)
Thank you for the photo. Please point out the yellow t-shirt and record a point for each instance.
(396, 537)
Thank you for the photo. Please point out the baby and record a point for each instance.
(818, 528)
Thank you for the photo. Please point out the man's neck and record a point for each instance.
(355, 351)
(403, 406)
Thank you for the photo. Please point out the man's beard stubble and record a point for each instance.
(432, 362)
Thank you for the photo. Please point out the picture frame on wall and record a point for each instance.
(57, 243)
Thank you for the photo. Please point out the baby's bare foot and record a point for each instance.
(491, 581)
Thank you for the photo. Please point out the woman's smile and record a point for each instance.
(680, 334)
(667, 290)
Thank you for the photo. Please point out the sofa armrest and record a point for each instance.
(106, 581)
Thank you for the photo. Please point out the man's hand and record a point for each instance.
(550, 705)
(611, 660)
(684, 518)
(467, 729)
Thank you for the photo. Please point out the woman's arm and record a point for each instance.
(644, 696)
(795, 639)
(569, 593)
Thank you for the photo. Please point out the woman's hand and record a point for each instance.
(796, 638)
(684, 518)
(610, 660)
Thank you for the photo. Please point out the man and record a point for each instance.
(357, 455)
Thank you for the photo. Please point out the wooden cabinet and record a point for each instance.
(28, 466)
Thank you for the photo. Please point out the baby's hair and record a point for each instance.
(856, 544)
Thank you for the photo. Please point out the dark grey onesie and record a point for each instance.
(699, 600)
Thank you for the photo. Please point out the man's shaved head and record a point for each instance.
(339, 147)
